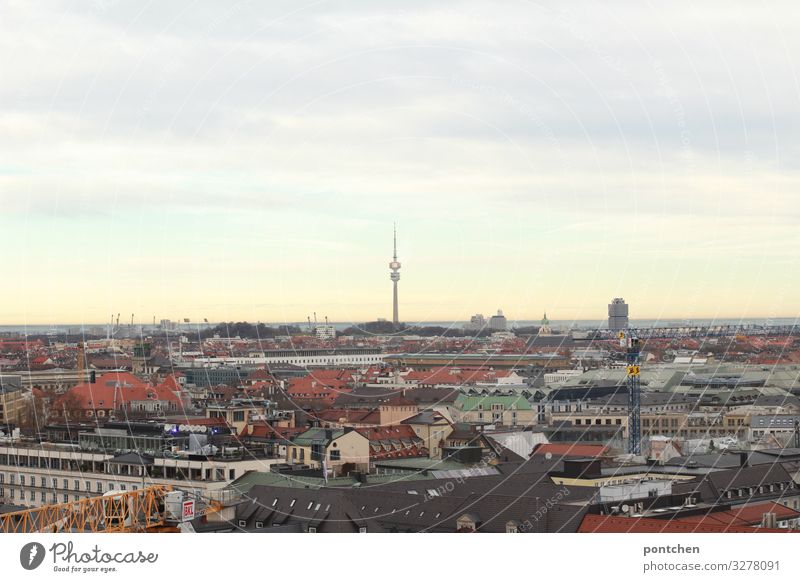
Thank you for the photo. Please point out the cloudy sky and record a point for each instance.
(246, 160)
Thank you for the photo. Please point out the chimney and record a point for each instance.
(769, 520)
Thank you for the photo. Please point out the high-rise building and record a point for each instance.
(325, 332)
(617, 314)
(395, 277)
(498, 322)
(476, 323)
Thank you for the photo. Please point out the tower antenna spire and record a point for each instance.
(394, 266)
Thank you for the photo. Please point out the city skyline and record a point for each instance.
(211, 164)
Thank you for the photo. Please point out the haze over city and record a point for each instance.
(247, 162)
(380, 267)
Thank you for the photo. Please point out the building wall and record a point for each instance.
(433, 435)
(12, 406)
(74, 475)
(504, 417)
(390, 415)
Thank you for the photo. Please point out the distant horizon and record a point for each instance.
(529, 159)
(432, 322)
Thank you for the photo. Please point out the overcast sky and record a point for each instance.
(246, 160)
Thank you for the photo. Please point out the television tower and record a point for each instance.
(395, 277)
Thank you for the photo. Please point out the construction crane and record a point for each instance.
(631, 345)
(158, 508)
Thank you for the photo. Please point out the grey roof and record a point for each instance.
(132, 459)
(425, 417)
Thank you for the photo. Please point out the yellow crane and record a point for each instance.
(158, 508)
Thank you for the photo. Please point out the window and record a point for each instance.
(336, 455)
(275, 502)
(293, 502)
(242, 523)
(312, 530)
(259, 525)
(362, 530)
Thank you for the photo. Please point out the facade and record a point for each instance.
(325, 332)
(617, 314)
(433, 428)
(476, 323)
(239, 413)
(12, 400)
(119, 392)
(783, 426)
(57, 379)
(59, 472)
(215, 376)
(429, 361)
(342, 449)
(498, 322)
(499, 410)
(311, 357)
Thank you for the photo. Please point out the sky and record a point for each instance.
(247, 160)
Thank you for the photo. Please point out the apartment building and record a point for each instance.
(38, 473)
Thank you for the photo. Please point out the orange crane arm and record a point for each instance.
(122, 512)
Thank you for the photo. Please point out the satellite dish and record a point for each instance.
(625, 508)
(548, 456)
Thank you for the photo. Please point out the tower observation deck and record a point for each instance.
(394, 266)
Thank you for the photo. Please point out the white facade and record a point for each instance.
(73, 474)
(325, 332)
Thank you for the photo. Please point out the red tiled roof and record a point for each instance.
(399, 431)
(119, 388)
(399, 401)
(350, 415)
(745, 515)
(272, 432)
